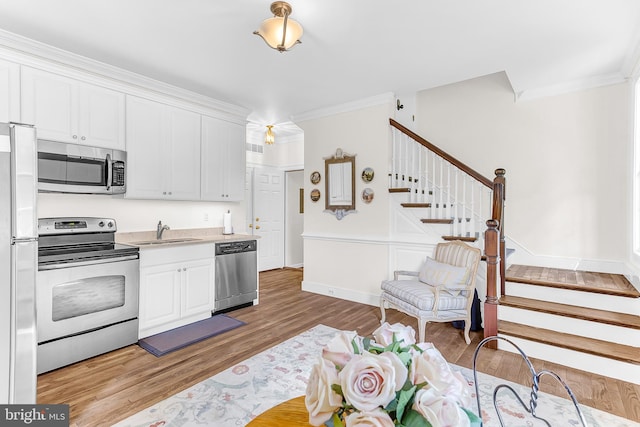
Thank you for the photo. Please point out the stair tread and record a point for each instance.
(591, 346)
(584, 313)
(585, 281)
(461, 238)
(437, 220)
(415, 205)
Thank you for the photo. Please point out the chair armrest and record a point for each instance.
(398, 273)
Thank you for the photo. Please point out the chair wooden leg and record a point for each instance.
(422, 324)
(384, 315)
(467, 328)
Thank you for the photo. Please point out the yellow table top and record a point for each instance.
(290, 413)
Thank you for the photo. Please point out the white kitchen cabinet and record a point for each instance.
(223, 160)
(9, 92)
(68, 110)
(163, 151)
(176, 287)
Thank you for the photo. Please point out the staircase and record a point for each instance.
(585, 320)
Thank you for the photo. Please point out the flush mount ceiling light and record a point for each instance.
(280, 32)
(269, 137)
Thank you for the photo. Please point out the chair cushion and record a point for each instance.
(416, 293)
(436, 273)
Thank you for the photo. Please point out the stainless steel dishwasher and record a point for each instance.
(236, 274)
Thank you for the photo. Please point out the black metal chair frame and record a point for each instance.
(535, 388)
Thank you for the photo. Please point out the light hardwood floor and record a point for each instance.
(113, 386)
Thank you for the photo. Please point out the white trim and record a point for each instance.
(573, 86)
(384, 98)
(362, 239)
(39, 55)
(341, 293)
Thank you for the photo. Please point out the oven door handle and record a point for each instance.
(83, 263)
(109, 171)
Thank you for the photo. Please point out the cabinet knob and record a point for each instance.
(83, 138)
(179, 270)
(164, 193)
(170, 193)
(75, 137)
(257, 227)
(250, 225)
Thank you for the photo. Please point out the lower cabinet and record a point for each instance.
(176, 287)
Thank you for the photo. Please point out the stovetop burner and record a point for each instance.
(67, 240)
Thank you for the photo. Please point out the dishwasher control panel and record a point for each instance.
(235, 247)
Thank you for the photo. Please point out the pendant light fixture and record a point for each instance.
(280, 32)
(269, 137)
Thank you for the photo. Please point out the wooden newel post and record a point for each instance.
(500, 195)
(491, 246)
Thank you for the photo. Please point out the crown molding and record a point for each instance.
(384, 98)
(568, 87)
(32, 53)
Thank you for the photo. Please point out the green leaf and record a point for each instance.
(337, 422)
(337, 388)
(405, 358)
(356, 350)
(403, 399)
(366, 343)
(473, 418)
(413, 419)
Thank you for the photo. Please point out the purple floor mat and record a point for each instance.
(175, 339)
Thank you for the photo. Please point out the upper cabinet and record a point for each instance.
(68, 110)
(9, 92)
(223, 160)
(163, 151)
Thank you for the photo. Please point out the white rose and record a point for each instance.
(376, 418)
(432, 368)
(340, 349)
(369, 381)
(321, 401)
(404, 334)
(439, 410)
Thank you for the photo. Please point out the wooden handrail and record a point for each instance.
(494, 240)
(457, 163)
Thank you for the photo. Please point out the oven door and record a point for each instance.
(80, 298)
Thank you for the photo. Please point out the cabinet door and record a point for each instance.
(223, 160)
(49, 102)
(101, 119)
(146, 149)
(159, 295)
(9, 92)
(197, 287)
(183, 157)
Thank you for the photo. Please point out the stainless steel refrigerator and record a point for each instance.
(18, 263)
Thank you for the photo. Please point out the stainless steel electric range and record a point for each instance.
(86, 291)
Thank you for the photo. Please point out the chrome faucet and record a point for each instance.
(161, 229)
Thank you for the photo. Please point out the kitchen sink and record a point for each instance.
(163, 241)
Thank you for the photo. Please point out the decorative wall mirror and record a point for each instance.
(340, 188)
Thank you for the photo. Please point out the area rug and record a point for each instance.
(175, 339)
(235, 396)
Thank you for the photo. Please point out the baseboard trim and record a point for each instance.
(342, 293)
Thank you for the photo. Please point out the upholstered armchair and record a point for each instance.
(442, 291)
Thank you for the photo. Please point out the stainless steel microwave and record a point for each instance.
(73, 168)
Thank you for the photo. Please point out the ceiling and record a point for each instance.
(351, 49)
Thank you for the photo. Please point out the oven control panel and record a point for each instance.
(69, 225)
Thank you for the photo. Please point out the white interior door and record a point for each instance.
(268, 217)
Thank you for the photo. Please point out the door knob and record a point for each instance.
(257, 227)
(257, 219)
(250, 225)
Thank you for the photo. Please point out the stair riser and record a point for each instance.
(569, 325)
(571, 297)
(623, 371)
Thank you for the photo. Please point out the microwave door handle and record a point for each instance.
(109, 171)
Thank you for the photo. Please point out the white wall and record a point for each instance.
(348, 257)
(566, 159)
(142, 215)
(294, 219)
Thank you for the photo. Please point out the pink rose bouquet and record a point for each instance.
(386, 381)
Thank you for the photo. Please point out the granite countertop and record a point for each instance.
(187, 236)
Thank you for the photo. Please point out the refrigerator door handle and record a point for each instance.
(24, 193)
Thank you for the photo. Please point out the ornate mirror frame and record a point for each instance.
(340, 184)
